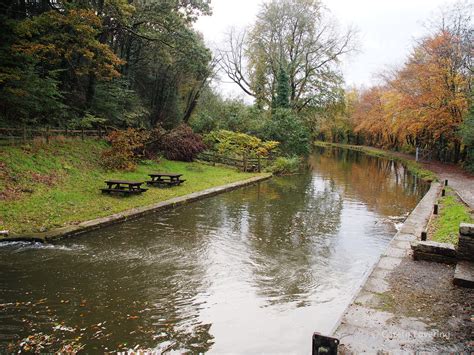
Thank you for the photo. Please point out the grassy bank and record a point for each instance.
(411, 165)
(452, 212)
(43, 187)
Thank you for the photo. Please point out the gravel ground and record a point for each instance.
(425, 290)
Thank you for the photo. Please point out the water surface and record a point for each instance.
(255, 270)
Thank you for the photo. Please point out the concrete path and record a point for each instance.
(458, 179)
(408, 306)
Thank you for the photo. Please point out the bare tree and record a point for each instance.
(297, 35)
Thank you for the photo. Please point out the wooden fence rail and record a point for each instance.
(13, 136)
(244, 163)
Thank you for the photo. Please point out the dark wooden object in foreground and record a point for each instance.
(123, 187)
(324, 345)
(165, 179)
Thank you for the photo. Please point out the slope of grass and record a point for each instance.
(412, 166)
(43, 187)
(452, 213)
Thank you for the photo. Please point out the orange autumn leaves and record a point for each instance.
(69, 39)
(420, 104)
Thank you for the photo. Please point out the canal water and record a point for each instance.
(256, 270)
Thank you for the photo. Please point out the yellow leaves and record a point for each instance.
(426, 99)
(55, 38)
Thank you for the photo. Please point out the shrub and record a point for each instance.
(285, 127)
(238, 144)
(127, 147)
(181, 143)
(285, 166)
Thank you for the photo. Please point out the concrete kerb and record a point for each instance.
(87, 226)
(411, 229)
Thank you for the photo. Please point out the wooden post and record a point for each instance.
(259, 164)
(66, 132)
(417, 154)
(446, 182)
(100, 133)
(423, 236)
(443, 192)
(435, 210)
(82, 133)
(24, 134)
(47, 134)
(245, 162)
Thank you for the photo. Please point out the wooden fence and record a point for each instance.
(13, 136)
(244, 163)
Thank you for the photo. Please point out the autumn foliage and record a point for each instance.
(181, 143)
(127, 147)
(421, 105)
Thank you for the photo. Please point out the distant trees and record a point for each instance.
(121, 62)
(292, 37)
(422, 104)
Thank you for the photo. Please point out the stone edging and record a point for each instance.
(397, 249)
(133, 213)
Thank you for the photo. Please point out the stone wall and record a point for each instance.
(466, 242)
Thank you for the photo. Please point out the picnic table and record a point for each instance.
(124, 187)
(165, 179)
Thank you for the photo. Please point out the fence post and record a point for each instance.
(259, 164)
(245, 162)
(47, 135)
(417, 154)
(24, 134)
(82, 133)
(100, 133)
(66, 132)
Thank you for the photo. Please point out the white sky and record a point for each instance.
(387, 29)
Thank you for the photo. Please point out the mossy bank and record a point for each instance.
(49, 186)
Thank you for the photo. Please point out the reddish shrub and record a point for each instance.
(127, 148)
(181, 143)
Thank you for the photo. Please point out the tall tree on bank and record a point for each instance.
(159, 63)
(297, 35)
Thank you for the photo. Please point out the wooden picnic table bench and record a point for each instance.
(124, 187)
(165, 179)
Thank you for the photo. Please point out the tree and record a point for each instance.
(296, 35)
(286, 128)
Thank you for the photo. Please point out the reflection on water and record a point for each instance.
(254, 270)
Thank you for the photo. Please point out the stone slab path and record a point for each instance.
(407, 305)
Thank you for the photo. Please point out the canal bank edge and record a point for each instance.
(375, 282)
(87, 226)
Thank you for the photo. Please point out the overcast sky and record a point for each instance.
(387, 29)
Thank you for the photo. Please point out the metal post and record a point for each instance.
(423, 236)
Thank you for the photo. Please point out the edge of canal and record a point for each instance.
(397, 249)
(134, 213)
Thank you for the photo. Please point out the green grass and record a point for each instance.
(51, 186)
(412, 166)
(452, 212)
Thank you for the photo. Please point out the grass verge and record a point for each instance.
(452, 212)
(412, 166)
(47, 186)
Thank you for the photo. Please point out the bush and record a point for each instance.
(181, 143)
(127, 148)
(285, 166)
(285, 127)
(238, 144)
